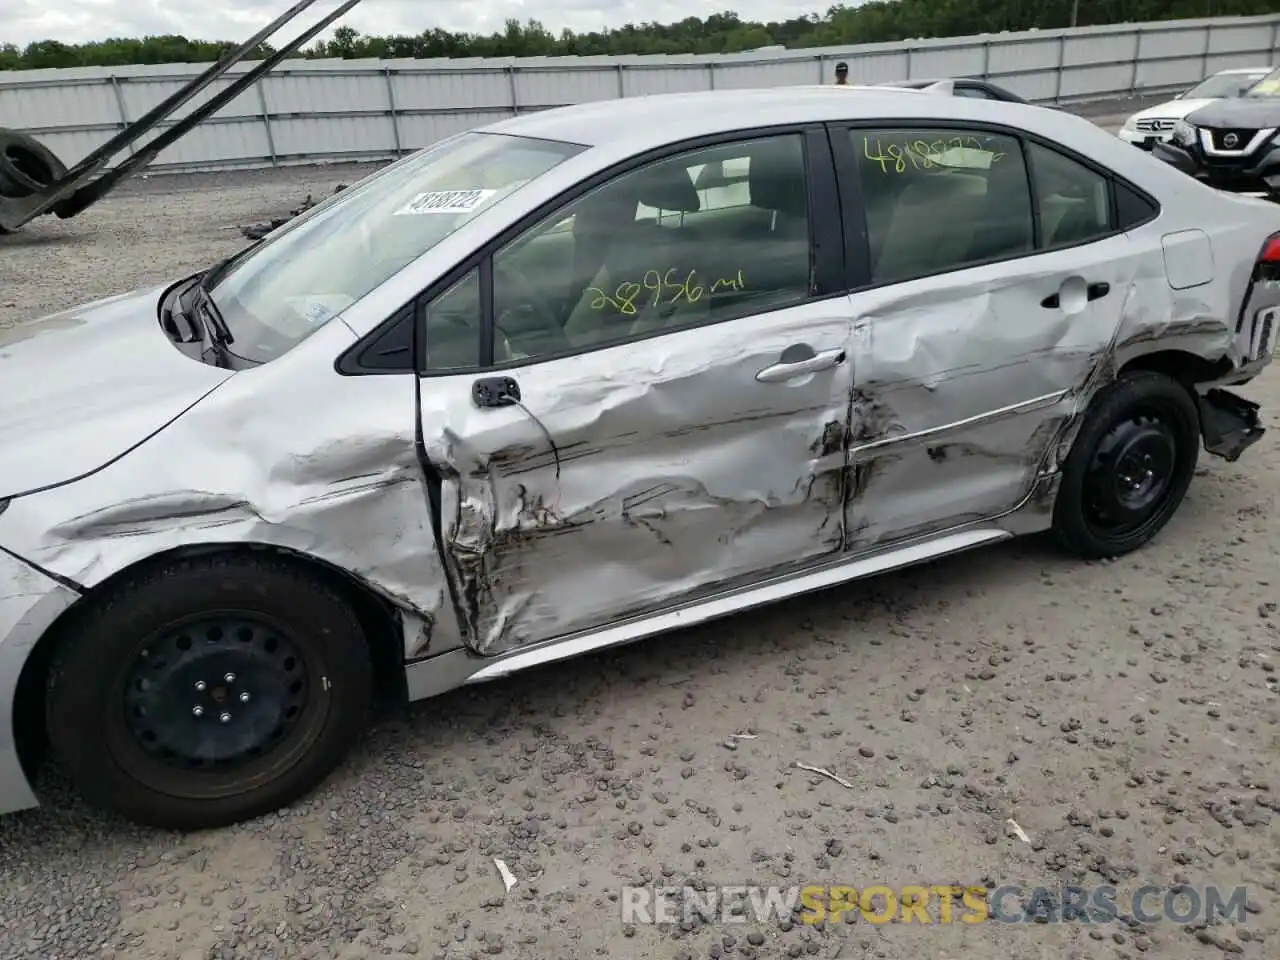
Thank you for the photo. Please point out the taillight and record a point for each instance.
(1270, 250)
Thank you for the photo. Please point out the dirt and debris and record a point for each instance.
(1125, 714)
(256, 231)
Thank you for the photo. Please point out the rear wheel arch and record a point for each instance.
(1187, 368)
(377, 616)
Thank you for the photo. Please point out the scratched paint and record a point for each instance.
(344, 488)
(676, 472)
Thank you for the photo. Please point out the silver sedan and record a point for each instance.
(580, 377)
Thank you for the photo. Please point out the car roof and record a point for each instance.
(929, 83)
(652, 121)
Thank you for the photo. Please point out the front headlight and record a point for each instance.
(1184, 134)
(1131, 124)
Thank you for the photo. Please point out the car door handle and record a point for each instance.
(787, 370)
(1095, 291)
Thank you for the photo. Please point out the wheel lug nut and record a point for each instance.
(230, 678)
(244, 697)
(225, 718)
(200, 686)
(197, 711)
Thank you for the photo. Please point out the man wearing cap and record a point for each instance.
(842, 74)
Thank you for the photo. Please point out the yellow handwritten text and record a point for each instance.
(894, 156)
(674, 285)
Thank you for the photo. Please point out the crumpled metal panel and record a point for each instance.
(963, 386)
(288, 455)
(674, 472)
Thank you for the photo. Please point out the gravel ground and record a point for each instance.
(1123, 714)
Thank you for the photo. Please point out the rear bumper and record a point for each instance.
(29, 604)
(1230, 424)
(1255, 175)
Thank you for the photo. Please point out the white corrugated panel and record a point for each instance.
(334, 108)
(538, 87)
(1171, 43)
(1026, 56)
(955, 62)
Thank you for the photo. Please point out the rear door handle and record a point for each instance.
(785, 370)
(1095, 291)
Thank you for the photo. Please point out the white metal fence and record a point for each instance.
(340, 110)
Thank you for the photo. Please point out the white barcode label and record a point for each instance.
(445, 201)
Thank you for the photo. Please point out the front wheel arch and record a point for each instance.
(378, 618)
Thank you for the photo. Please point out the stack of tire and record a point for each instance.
(26, 166)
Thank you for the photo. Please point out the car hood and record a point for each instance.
(1171, 110)
(1251, 113)
(81, 387)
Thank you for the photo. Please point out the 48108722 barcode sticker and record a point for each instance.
(445, 201)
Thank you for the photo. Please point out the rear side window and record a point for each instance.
(939, 200)
(1074, 201)
(1132, 208)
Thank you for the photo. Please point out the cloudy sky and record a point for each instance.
(75, 21)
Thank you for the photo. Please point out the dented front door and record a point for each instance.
(636, 476)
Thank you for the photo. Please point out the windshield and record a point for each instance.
(1224, 85)
(284, 290)
(1268, 87)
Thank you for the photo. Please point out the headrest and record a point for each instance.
(666, 186)
(776, 176)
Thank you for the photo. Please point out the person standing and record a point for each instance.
(842, 74)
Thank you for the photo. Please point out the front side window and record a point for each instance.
(694, 239)
(942, 199)
(297, 280)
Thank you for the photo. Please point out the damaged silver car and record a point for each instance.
(584, 376)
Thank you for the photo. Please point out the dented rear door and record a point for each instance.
(640, 475)
(965, 381)
(990, 301)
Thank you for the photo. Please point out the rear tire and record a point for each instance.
(208, 692)
(1130, 466)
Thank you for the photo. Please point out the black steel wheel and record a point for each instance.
(215, 692)
(1130, 466)
(209, 692)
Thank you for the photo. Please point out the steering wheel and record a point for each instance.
(534, 317)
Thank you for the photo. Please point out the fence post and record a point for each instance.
(391, 107)
(986, 59)
(266, 123)
(1062, 66)
(622, 86)
(1204, 55)
(124, 114)
(511, 85)
(1275, 38)
(1137, 58)
(908, 51)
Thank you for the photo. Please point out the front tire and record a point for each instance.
(1130, 466)
(208, 692)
